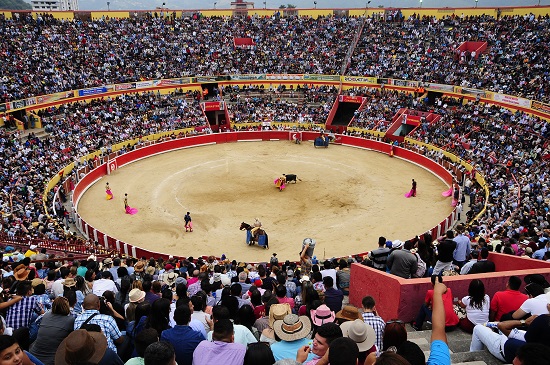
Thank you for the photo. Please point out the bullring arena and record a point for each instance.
(346, 199)
(201, 110)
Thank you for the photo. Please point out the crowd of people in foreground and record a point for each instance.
(202, 311)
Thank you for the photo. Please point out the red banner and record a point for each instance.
(212, 105)
(351, 99)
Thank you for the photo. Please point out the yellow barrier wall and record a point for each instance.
(111, 14)
(56, 14)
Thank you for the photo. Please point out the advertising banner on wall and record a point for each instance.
(469, 91)
(171, 82)
(284, 77)
(351, 99)
(537, 105)
(143, 84)
(54, 97)
(129, 86)
(212, 106)
(248, 77)
(365, 79)
(442, 87)
(92, 91)
(513, 100)
(322, 77)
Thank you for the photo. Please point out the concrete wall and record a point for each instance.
(401, 298)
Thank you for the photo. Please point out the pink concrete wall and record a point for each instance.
(401, 298)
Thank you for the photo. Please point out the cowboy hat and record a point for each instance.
(322, 315)
(360, 332)
(292, 327)
(21, 272)
(81, 346)
(139, 266)
(136, 295)
(349, 313)
(69, 282)
(170, 278)
(150, 270)
(278, 312)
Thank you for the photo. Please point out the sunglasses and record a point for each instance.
(395, 321)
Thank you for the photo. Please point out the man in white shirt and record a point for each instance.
(537, 303)
(329, 271)
(104, 284)
(57, 286)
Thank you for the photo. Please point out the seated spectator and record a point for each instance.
(537, 303)
(343, 276)
(343, 351)
(532, 353)
(182, 337)
(507, 301)
(82, 346)
(503, 345)
(107, 323)
(141, 342)
(10, 349)
(241, 335)
(222, 349)
(55, 326)
(20, 313)
(105, 283)
(483, 265)
(333, 297)
(451, 319)
(324, 336)
(476, 304)
(258, 353)
(276, 312)
(363, 335)
(159, 353)
(293, 331)
(468, 265)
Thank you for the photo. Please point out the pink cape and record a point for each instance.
(130, 210)
(409, 194)
(109, 195)
(448, 192)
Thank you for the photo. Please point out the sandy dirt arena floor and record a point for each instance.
(347, 198)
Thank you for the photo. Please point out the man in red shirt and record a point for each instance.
(508, 300)
(451, 319)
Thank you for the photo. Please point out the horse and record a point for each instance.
(260, 237)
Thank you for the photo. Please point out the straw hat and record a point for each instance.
(170, 278)
(69, 282)
(21, 272)
(278, 312)
(349, 313)
(292, 327)
(360, 332)
(150, 270)
(81, 346)
(136, 295)
(139, 266)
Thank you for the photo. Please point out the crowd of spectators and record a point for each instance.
(307, 105)
(115, 311)
(74, 131)
(68, 55)
(45, 55)
(425, 49)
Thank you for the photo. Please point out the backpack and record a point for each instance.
(421, 270)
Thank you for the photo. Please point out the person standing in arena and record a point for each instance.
(188, 222)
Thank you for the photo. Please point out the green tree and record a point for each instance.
(282, 6)
(14, 5)
(291, 6)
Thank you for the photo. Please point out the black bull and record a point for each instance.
(291, 177)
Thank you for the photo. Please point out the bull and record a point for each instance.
(291, 177)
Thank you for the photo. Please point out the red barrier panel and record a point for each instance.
(401, 298)
(171, 145)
